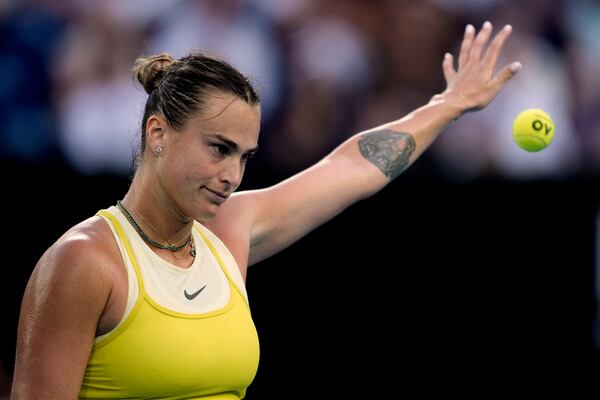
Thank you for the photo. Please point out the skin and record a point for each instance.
(78, 289)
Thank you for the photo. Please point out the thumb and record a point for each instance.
(507, 73)
(448, 68)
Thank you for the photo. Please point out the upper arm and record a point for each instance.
(63, 301)
(269, 220)
(276, 217)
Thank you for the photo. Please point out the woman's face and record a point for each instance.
(203, 164)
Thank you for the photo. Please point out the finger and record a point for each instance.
(448, 67)
(507, 73)
(493, 51)
(465, 47)
(480, 41)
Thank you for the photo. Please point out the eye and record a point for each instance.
(246, 157)
(220, 149)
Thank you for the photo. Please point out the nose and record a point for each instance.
(232, 174)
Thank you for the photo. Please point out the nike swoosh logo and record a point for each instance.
(193, 295)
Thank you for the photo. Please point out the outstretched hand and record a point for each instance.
(474, 82)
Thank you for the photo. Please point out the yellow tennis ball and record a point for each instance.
(533, 130)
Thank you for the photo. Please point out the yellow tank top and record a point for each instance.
(158, 353)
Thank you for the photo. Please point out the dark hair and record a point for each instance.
(178, 88)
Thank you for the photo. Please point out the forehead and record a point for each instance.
(228, 115)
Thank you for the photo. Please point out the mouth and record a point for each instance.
(216, 197)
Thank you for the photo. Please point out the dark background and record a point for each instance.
(472, 273)
(427, 285)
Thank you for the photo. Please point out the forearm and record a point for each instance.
(356, 169)
(394, 146)
(402, 141)
(381, 154)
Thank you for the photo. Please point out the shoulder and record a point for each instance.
(234, 219)
(89, 241)
(85, 258)
(233, 226)
(236, 216)
(62, 305)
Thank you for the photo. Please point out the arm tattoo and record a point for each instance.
(390, 151)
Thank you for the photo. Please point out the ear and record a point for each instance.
(155, 132)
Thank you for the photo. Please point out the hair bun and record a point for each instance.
(149, 71)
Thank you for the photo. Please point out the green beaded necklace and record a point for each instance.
(147, 239)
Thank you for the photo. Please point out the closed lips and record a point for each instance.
(224, 196)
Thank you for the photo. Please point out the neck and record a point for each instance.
(156, 214)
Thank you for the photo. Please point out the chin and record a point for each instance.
(207, 214)
(207, 217)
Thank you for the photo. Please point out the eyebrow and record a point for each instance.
(233, 145)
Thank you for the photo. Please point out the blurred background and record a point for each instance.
(481, 255)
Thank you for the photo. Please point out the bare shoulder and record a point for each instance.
(233, 226)
(64, 300)
(87, 245)
(237, 208)
(82, 258)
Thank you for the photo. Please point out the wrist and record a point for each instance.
(455, 103)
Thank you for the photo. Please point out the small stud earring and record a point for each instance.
(158, 150)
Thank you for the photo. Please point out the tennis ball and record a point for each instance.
(533, 130)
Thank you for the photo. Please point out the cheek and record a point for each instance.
(190, 175)
(194, 173)
(188, 167)
(175, 172)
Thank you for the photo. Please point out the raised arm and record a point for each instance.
(368, 161)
